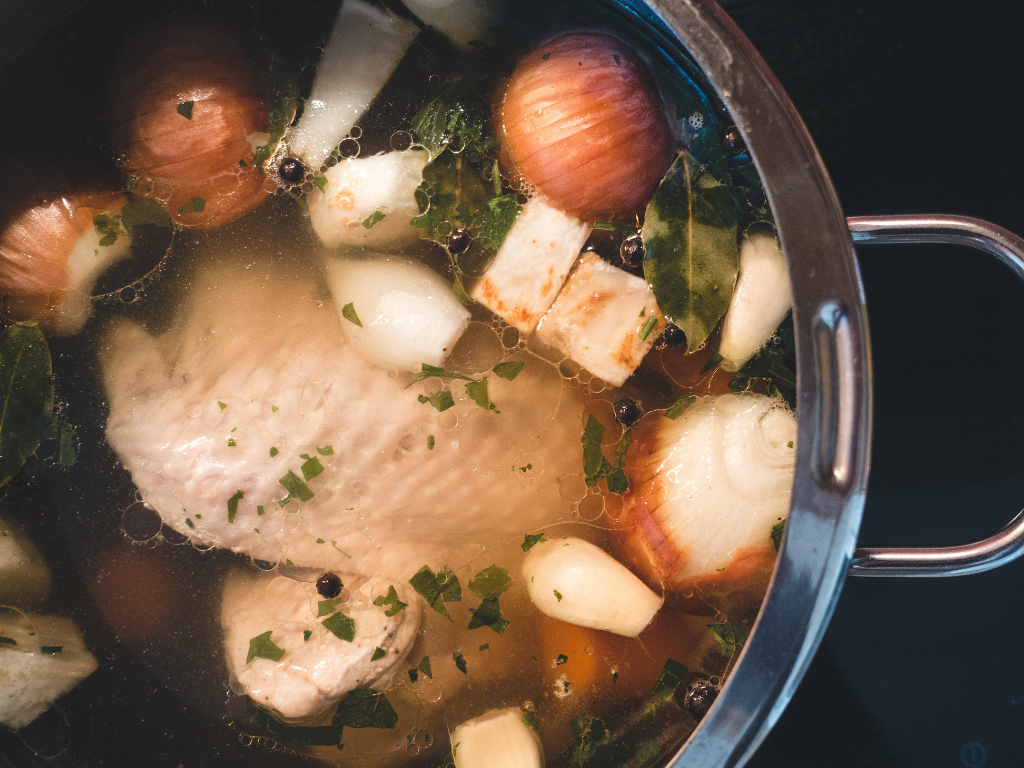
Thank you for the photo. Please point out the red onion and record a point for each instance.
(183, 109)
(584, 124)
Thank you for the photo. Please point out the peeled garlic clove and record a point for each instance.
(759, 302)
(465, 22)
(574, 581)
(395, 312)
(499, 739)
(704, 492)
(365, 46)
(368, 201)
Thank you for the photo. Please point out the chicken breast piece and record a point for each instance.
(317, 667)
(254, 425)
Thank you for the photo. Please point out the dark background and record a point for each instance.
(915, 107)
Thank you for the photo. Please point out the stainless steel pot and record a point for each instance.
(834, 369)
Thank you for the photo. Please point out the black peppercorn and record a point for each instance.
(674, 336)
(329, 585)
(459, 241)
(700, 698)
(632, 250)
(627, 412)
(292, 171)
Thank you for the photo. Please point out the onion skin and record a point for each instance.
(42, 215)
(176, 158)
(583, 122)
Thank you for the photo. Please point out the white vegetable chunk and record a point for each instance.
(24, 576)
(86, 262)
(368, 201)
(462, 21)
(365, 46)
(605, 319)
(31, 680)
(531, 265)
(407, 313)
(315, 672)
(498, 739)
(759, 302)
(577, 582)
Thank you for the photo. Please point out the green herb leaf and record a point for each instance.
(185, 109)
(189, 523)
(730, 636)
(263, 647)
(442, 400)
(776, 534)
(327, 450)
(7, 640)
(273, 451)
(390, 599)
(373, 219)
(529, 721)
(678, 408)
(488, 615)
(691, 256)
(108, 227)
(341, 626)
(328, 606)
(430, 442)
(314, 736)
(485, 646)
(306, 634)
(233, 505)
(321, 183)
(27, 393)
(141, 212)
(433, 372)
(490, 582)
(457, 112)
(595, 465)
(437, 588)
(530, 540)
(364, 708)
(349, 313)
(509, 370)
(668, 682)
(477, 391)
(424, 667)
(51, 649)
(713, 362)
(648, 327)
(596, 746)
(283, 84)
(231, 442)
(311, 467)
(617, 480)
(295, 487)
(299, 201)
(414, 675)
(558, 595)
(378, 653)
(460, 662)
(194, 205)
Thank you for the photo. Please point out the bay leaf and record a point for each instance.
(691, 257)
(27, 395)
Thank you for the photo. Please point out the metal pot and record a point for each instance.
(834, 370)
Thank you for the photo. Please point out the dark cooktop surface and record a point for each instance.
(916, 108)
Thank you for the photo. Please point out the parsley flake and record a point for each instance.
(8, 641)
(327, 607)
(437, 588)
(668, 682)
(364, 708)
(678, 408)
(316, 736)
(327, 450)
(485, 646)
(776, 534)
(529, 721)
(390, 599)
(189, 523)
(349, 313)
(460, 662)
(509, 370)
(311, 467)
(273, 451)
(233, 505)
(185, 109)
(488, 615)
(477, 391)
(321, 183)
(263, 647)
(194, 205)
(231, 442)
(558, 595)
(341, 626)
(51, 649)
(306, 634)
(730, 636)
(222, 405)
(378, 653)
(260, 511)
(434, 372)
(532, 539)
(295, 487)
(490, 582)
(430, 442)
(424, 667)
(442, 400)
(373, 219)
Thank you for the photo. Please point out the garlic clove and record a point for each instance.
(368, 201)
(575, 581)
(759, 302)
(364, 48)
(407, 314)
(498, 739)
(467, 23)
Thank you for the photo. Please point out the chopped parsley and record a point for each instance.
(349, 313)
(477, 391)
(595, 744)
(295, 487)
(306, 634)
(364, 708)
(595, 466)
(231, 442)
(316, 736)
(414, 675)
(327, 607)
(490, 582)
(485, 646)
(648, 327)
(526, 469)
(617, 480)
(437, 588)
(424, 667)
(311, 467)
(460, 662)
(509, 370)
(327, 450)
(8, 641)
(373, 219)
(713, 362)
(108, 227)
(299, 201)
(233, 505)
(789, 444)
(678, 408)
(189, 523)
(273, 451)
(532, 539)
(776, 534)
(562, 658)
(378, 653)
(430, 442)
(488, 615)
(671, 677)
(390, 599)
(442, 400)
(558, 595)
(262, 647)
(51, 649)
(434, 372)
(260, 511)
(321, 183)
(144, 212)
(194, 205)
(529, 722)
(730, 636)
(185, 109)
(341, 626)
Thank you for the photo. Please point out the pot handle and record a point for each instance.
(1008, 543)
